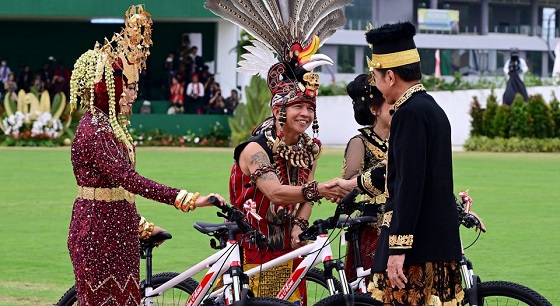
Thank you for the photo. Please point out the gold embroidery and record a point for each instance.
(377, 153)
(400, 241)
(380, 199)
(414, 89)
(395, 59)
(366, 182)
(387, 218)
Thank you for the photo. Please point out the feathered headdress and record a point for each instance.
(288, 33)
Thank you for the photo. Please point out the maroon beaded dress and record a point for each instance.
(103, 236)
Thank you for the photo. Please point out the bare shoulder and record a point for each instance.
(253, 155)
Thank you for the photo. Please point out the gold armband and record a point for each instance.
(180, 198)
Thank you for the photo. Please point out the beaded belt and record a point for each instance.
(105, 194)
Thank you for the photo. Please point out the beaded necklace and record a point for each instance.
(291, 161)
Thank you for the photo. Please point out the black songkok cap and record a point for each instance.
(392, 45)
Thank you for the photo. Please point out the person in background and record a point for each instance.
(417, 257)
(515, 68)
(516, 64)
(365, 159)
(10, 87)
(46, 74)
(4, 74)
(38, 83)
(198, 63)
(216, 104)
(61, 79)
(176, 98)
(105, 227)
(25, 78)
(231, 102)
(195, 96)
(170, 66)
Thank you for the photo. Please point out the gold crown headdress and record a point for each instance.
(126, 51)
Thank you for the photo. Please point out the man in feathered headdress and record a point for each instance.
(417, 258)
(274, 170)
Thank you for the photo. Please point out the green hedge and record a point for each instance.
(526, 126)
(514, 144)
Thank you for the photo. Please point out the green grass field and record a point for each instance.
(515, 194)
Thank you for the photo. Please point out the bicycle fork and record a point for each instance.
(471, 281)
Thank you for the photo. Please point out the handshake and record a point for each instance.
(335, 189)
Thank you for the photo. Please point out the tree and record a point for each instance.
(248, 116)
(476, 113)
(555, 111)
(488, 115)
(501, 121)
(519, 126)
(541, 117)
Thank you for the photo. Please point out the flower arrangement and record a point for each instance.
(31, 121)
(31, 129)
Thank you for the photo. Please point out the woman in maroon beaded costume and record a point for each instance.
(105, 226)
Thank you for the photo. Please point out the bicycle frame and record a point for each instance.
(227, 258)
(321, 247)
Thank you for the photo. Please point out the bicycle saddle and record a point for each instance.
(345, 221)
(206, 228)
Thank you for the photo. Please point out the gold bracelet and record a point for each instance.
(180, 198)
(191, 204)
(141, 224)
(147, 232)
(186, 200)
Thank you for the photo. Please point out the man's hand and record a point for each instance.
(203, 200)
(295, 242)
(336, 188)
(395, 271)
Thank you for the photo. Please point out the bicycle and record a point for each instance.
(476, 292)
(181, 289)
(313, 253)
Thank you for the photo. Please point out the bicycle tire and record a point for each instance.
(68, 298)
(178, 295)
(317, 288)
(360, 299)
(187, 286)
(265, 301)
(498, 293)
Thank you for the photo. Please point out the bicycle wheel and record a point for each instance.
(360, 299)
(317, 288)
(178, 295)
(260, 301)
(69, 298)
(498, 293)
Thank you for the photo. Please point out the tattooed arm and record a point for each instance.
(253, 158)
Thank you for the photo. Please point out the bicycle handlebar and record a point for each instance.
(346, 206)
(465, 218)
(233, 214)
